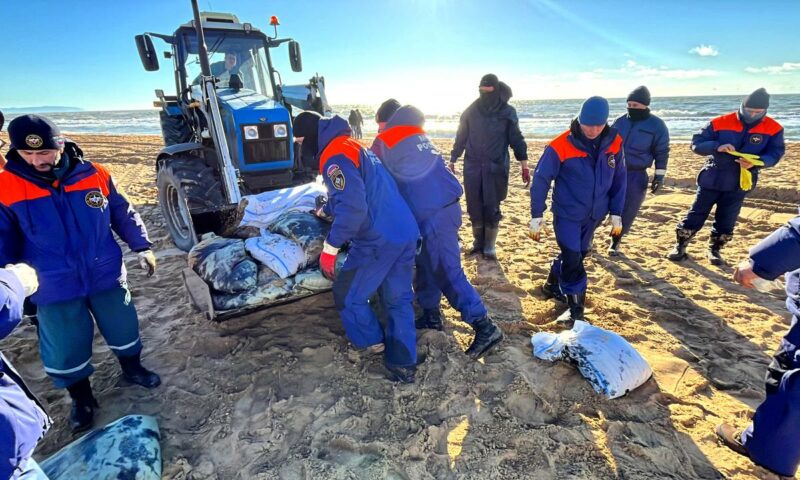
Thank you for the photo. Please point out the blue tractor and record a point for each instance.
(228, 128)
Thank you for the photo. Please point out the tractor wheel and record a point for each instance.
(186, 184)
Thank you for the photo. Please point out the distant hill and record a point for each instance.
(43, 109)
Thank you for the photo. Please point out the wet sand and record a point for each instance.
(279, 394)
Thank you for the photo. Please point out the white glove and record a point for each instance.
(26, 276)
(616, 225)
(535, 231)
(147, 260)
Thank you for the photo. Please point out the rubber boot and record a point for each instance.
(402, 374)
(613, 247)
(477, 242)
(430, 319)
(487, 336)
(683, 237)
(81, 415)
(134, 372)
(575, 301)
(490, 239)
(551, 289)
(715, 244)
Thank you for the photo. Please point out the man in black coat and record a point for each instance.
(487, 128)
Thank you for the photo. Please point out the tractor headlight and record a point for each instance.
(280, 130)
(251, 132)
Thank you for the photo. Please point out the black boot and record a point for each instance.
(715, 243)
(83, 404)
(487, 336)
(683, 236)
(477, 242)
(551, 289)
(575, 301)
(134, 372)
(613, 247)
(490, 238)
(402, 374)
(430, 319)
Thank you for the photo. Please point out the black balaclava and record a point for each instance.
(757, 99)
(306, 125)
(488, 101)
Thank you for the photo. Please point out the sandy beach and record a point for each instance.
(280, 394)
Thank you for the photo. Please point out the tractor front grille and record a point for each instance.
(264, 151)
(267, 148)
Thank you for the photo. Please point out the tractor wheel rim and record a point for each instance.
(175, 211)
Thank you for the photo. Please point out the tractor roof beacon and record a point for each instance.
(228, 128)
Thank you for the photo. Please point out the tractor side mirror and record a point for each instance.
(294, 56)
(147, 52)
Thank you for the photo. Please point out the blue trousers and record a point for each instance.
(574, 239)
(391, 271)
(729, 204)
(439, 267)
(634, 197)
(772, 438)
(66, 331)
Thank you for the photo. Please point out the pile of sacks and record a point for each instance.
(275, 255)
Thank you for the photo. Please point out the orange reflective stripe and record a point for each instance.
(727, 122)
(395, 135)
(565, 149)
(92, 182)
(767, 126)
(342, 145)
(616, 145)
(14, 189)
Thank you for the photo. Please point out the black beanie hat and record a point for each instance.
(386, 110)
(306, 125)
(32, 132)
(640, 94)
(490, 80)
(757, 99)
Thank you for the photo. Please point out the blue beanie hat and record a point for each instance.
(32, 132)
(594, 111)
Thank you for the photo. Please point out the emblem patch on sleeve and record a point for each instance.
(336, 175)
(96, 199)
(756, 139)
(612, 161)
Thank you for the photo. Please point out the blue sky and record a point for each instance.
(428, 52)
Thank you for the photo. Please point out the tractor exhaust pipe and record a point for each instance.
(205, 68)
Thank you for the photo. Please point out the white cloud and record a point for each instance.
(705, 50)
(636, 70)
(784, 69)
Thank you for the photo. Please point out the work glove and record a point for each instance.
(147, 260)
(327, 261)
(319, 207)
(526, 176)
(616, 225)
(26, 276)
(658, 182)
(536, 228)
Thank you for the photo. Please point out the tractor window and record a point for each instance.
(230, 54)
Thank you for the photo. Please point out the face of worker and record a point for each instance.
(755, 112)
(485, 89)
(592, 131)
(41, 160)
(230, 61)
(637, 105)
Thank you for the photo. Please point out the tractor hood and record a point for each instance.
(247, 100)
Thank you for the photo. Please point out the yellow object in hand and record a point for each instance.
(745, 177)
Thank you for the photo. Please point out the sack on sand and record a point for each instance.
(263, 209)
(610, 364)
(281, 255)
(223, 263)
(255, 296)
(306, 229)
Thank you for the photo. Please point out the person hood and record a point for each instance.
(407, 115)
(330, 128)
(505, 92)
